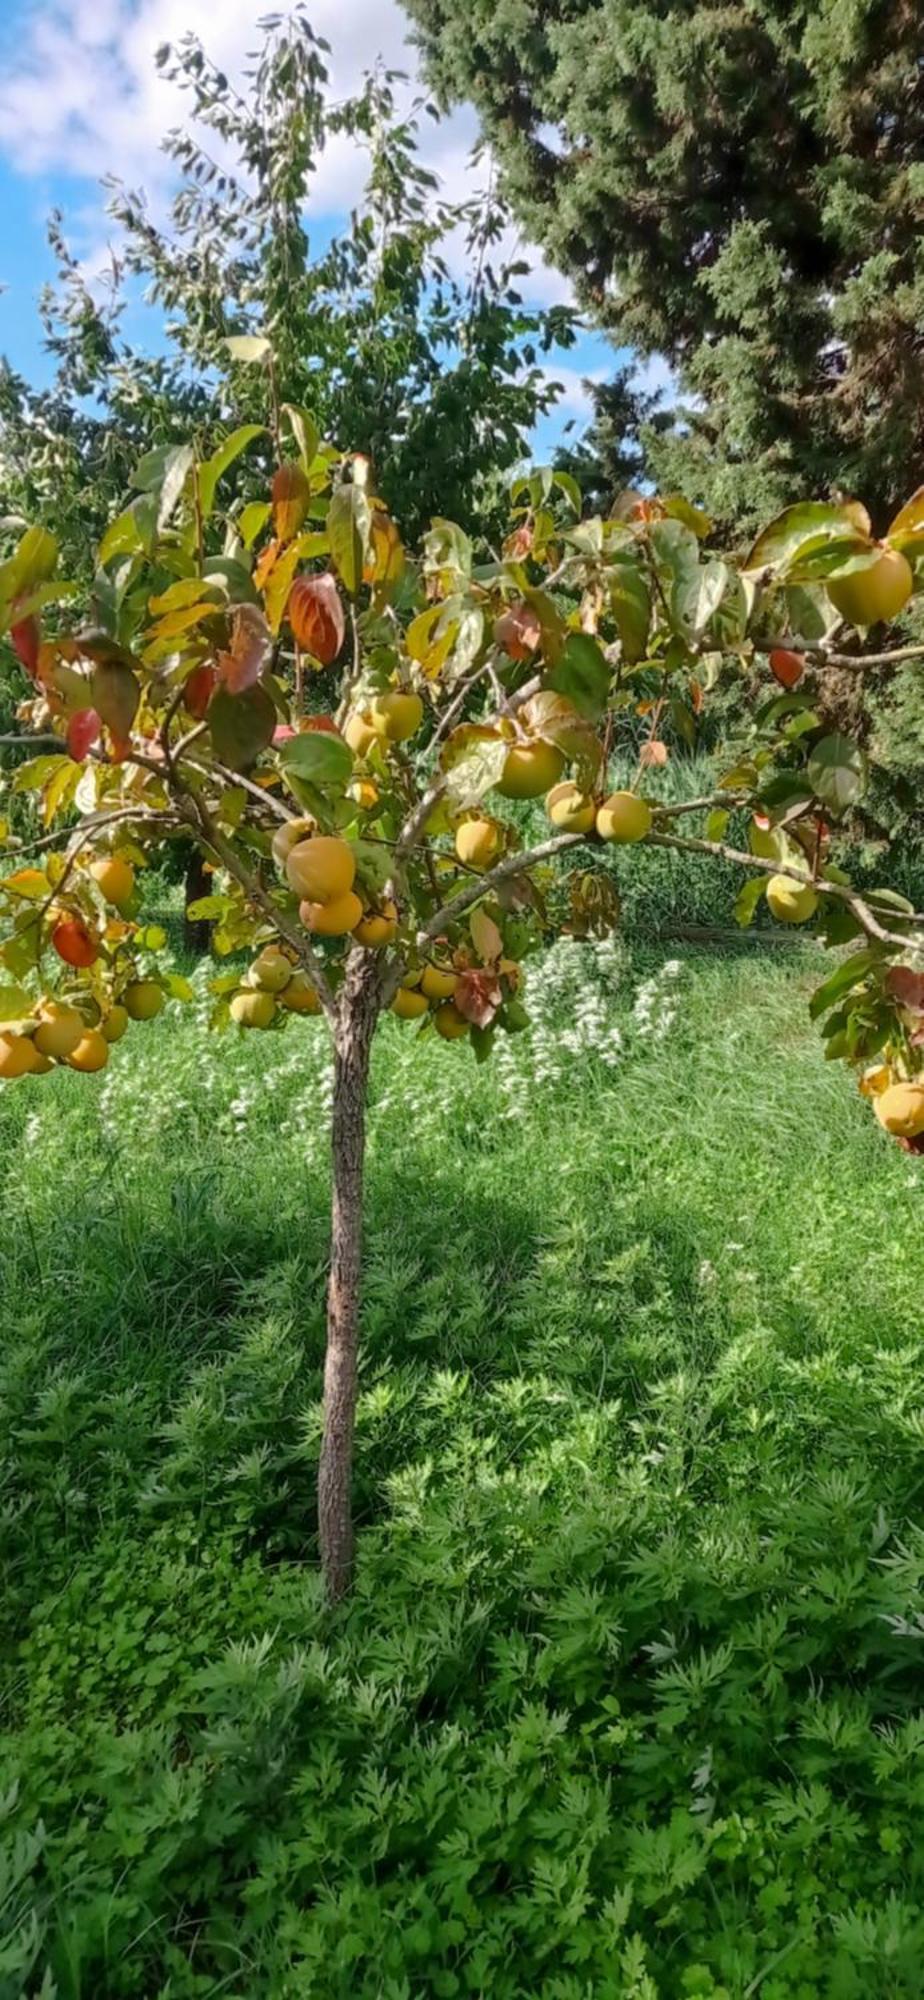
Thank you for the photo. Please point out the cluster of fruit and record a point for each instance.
(76, 1029)
(77, 1034)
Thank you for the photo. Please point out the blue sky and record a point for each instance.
(79, 98)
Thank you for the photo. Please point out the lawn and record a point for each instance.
(626, 1703)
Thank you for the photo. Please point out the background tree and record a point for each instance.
(740, 190)
(438, 377)
(366, 852)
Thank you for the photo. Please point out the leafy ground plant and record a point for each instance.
(626, 1699)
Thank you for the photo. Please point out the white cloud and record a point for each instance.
(80, 94)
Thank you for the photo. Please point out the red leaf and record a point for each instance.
(906, 987)
(786, 667)
(198, 689)
(25, 638)
(82, 732)
(518, 631)
(478, 997)
(315, 614)
(251, 645)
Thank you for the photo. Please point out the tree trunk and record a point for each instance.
(357, 1012)
(196, 930)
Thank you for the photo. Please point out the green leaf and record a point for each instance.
(348, 525)
(207, 909)
(246, 346)
(583, 674)
(241, 725)
(15, 1003)
(375, 865)
(630, 604)
(178, 987)
(570, 488)
(554, 630)
(842, 981)
(717, 823)
(252, 520)
(477, 768)
(115, 694)
(798, 525)
(220, 461)
(31, 563)
(747, 900)
(684, 721)
(317, 756)
(839, 555)
(676, 553)
(305, 432)
(32, 776)
(838, 771)
(692, 517)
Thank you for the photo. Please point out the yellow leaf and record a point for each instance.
(31, 883)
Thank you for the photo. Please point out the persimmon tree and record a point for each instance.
(345, 731)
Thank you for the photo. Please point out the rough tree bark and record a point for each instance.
(357, 1011)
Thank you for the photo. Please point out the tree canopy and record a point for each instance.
(739, 189)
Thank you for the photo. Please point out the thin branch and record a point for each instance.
(46, 739)
(829, 659)
(515, 864)
(237, 778)
(724, 799)
(92, 823)
(688, 844)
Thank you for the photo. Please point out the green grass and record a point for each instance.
(626, 1705)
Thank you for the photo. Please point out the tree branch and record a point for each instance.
(198, 816)
(515, 864)
(688, 844)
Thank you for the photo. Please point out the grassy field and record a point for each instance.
(626, 1705)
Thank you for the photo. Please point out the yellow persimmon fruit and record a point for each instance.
(623, 817)
(18, 1057)
(359, 733)
(332, 919)
(378, 927)
(114, 1024)
(271, 969)
(449, 1023)
(288, 836)
(900, 1109)
(91, 1053)
(570, 808)
(478, 842)
(59, 1030)
(321, 870)
(789, 901)
(866, 596)
(396, 715)
(299, 996)
(438, 982)
(409, 1003)
(114, 878)
(252, 1010)
(142, 999)
(530, 768)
